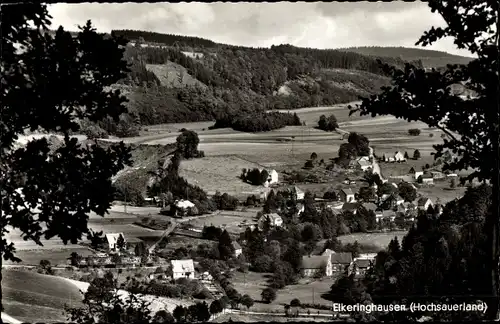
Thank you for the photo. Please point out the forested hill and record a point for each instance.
(429, 58)
(184, 79)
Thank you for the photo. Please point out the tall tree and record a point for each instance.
(49, 83)
(187, 144)
(225, 246)
(470, 124)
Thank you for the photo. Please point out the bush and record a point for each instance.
(414, 131)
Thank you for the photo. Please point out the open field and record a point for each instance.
(441, 191)
(32, 297)
(253, 283)
(379, 239)
(251, 318)
(55, 256)
(219, 173)
(226, 219)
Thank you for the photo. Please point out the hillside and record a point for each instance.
(32, 297)
(178, 79)
(429, 58)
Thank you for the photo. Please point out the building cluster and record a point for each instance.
(331, 263)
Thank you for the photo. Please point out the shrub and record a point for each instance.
(414, 131)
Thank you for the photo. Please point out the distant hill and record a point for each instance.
(429, 58)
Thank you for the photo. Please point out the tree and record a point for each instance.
(35, 172)
(416, 155)
(75, 259)
(180, 313)
(268, 295)
(295, 302)
(366, 194)
(225, 246)
(453, 183)
(407, 156)
(247, 301)
(360, 142)
(414, 131)
(264, 175)
(407, 191)
(187, 144)
(216, 307)
(120, 242)
(314, 156)
(471, 123)
(45, 267)
(163, 316)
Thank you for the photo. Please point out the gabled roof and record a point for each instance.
(347, 191)
(363, 263)
(314, 261)
(112, 238)
(364, 163)
(350, 206)
(422, 201)
(182, 265)
(184, 204)
(369, 206)
(298, 190)
(342, 258)
(236, 245)
(427, 176)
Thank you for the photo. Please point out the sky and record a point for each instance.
(316, 25)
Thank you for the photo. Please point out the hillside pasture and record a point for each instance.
(35, 298)
(233, 222)
(219, 173)
(56, 256)
(129, 230)
(380, 240)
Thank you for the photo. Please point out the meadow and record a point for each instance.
(380, 240)
(56, 256)
(35, 298)
(232, 221)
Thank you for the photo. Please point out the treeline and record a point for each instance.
(258, 122)
(167, 39)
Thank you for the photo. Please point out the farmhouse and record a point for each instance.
(360, 266)
(274, 219)
(112, 241)
(182, 269)
(350, 207)
(364, 165)
(237, 249)
(427, 179)
(437, 175)
(299, 194)
(424, 203)
(347, 195)
(379, 214)
(389, 214)
(340, 261)
(399, 157)
(272, 178)
(416, 174)
(314, 265)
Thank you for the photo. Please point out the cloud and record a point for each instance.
(320, 25)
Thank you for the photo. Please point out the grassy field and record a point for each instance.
(378, 239)
(228, 219)
(54, 255)
(253, 283)
(250, 318)
(219, 173)
(32, 297)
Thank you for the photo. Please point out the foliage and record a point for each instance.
(187, 144)
(268, 295)
(407, 191)
(414, 131)
(49, 193)
(416, 155)
(472, 134)
(254, 176)
(225, 246)
(257, 122)
(225, 201)
(328, 124)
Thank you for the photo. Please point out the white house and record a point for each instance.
(299, 194)
(311, 265)
(427, 179)
(273, 177)
(112, 240)
(237, 249)
(347, 195)
(424, 203)
(183, 204)
(182, 269)
(364, 165)
(399, 157)
(274, 219)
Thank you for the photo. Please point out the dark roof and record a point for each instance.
(370, 206)
(350, 206)
(313, 262)
(342, 258)
(363, 263)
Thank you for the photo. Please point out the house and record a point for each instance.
(364, 165)
(379, 214)
(360, 266)
(182, 208)
(328, 252)
(237, 249)
(340, 261)
(112, 241)
(347, 195)
(369, 206)
(335, 205)
(350, 207)
(300, 208)
(437, 175)
(424, 203)
(415, 173)
(391, 159)
(273, 177)
(182, 269)
(389, 214)
(312, 265)
(427, 179)
(275, 220)
(399, 157)
(299, 194)
(367, 256)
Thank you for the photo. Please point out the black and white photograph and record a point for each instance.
(197, 162)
